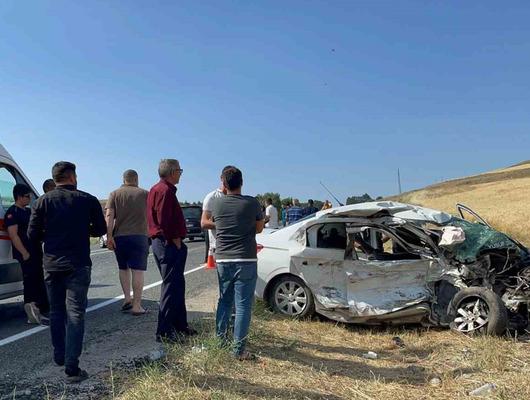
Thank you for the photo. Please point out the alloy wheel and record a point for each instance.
(291, 298)
(472, 315)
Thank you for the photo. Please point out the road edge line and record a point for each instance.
(37, 329)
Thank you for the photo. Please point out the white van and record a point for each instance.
(10, 271)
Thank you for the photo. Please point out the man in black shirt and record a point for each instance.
(29, 256)
(64, 219)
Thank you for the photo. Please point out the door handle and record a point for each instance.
(304, 262)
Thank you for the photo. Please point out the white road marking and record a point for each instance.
(95, 307)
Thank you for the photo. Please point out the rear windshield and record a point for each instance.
(192, 212)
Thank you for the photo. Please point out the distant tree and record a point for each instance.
(379, 198)
(276, 202)
(286, 201)
(359, 199)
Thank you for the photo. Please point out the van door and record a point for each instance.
(10, 271)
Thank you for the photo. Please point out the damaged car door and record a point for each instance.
(321, 265)
(381, 281)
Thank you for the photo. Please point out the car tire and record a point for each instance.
(291, 297)
(478, 310)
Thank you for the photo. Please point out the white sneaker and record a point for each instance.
(32, 312)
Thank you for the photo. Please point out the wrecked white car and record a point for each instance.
(393, 263)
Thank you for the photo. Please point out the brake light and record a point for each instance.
(259, 247)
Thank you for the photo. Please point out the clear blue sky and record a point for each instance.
(292, 92)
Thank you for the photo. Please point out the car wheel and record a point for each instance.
(290, 296)
(102, 243)
(478, 310)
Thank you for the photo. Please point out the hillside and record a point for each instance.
(501, 197)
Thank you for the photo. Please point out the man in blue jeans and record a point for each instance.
(237, 219)
(64, 219)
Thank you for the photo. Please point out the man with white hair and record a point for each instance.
(167, 229)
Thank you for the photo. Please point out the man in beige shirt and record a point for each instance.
(127, 237)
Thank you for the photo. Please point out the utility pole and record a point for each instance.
(399, 181)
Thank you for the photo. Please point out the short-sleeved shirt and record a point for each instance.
(272, 213)
(207, 206)
(129, 204)
(20, 217)
(294, 214)
(235, 219)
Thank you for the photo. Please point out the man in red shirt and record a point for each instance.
(167, 229)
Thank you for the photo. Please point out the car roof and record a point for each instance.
(400, 210)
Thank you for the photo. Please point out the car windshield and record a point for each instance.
(479, 238)
(192, 212)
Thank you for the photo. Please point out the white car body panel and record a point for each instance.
(351, 290)
(10, 274)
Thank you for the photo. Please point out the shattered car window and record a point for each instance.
(479, 238)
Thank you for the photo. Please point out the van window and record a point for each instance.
(7, 182)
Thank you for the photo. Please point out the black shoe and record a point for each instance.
(44, 320)
(188, 332)
(79, 377)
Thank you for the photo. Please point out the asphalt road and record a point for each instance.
(110, 337)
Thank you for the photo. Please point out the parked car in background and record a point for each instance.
(10, 271)
(192, 215)
(392, 263)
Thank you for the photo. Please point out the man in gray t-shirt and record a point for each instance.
(237, 219)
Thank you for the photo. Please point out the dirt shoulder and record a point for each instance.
(325, 360)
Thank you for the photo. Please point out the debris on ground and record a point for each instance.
(398, 341)
(370, 355)
(435, 381)
(484, 390)
(198, 349)
(157, 354)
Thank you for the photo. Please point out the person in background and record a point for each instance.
(272, 214)
(48, 185)
(237, 219)
(207, 210)
(167, 229)
(285, 207)
(310, 209)
(327, 205)
(28, 255)
(294, 213)
(126, 218)
(64, 219)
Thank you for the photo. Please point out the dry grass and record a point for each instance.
(500, 197)
(323, 360)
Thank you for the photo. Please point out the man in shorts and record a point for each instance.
(127, 237)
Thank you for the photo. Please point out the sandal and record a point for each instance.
(126, 307)
(137, 314)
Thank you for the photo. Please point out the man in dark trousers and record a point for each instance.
(167, 229)
(27, 254)
(64, 219)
